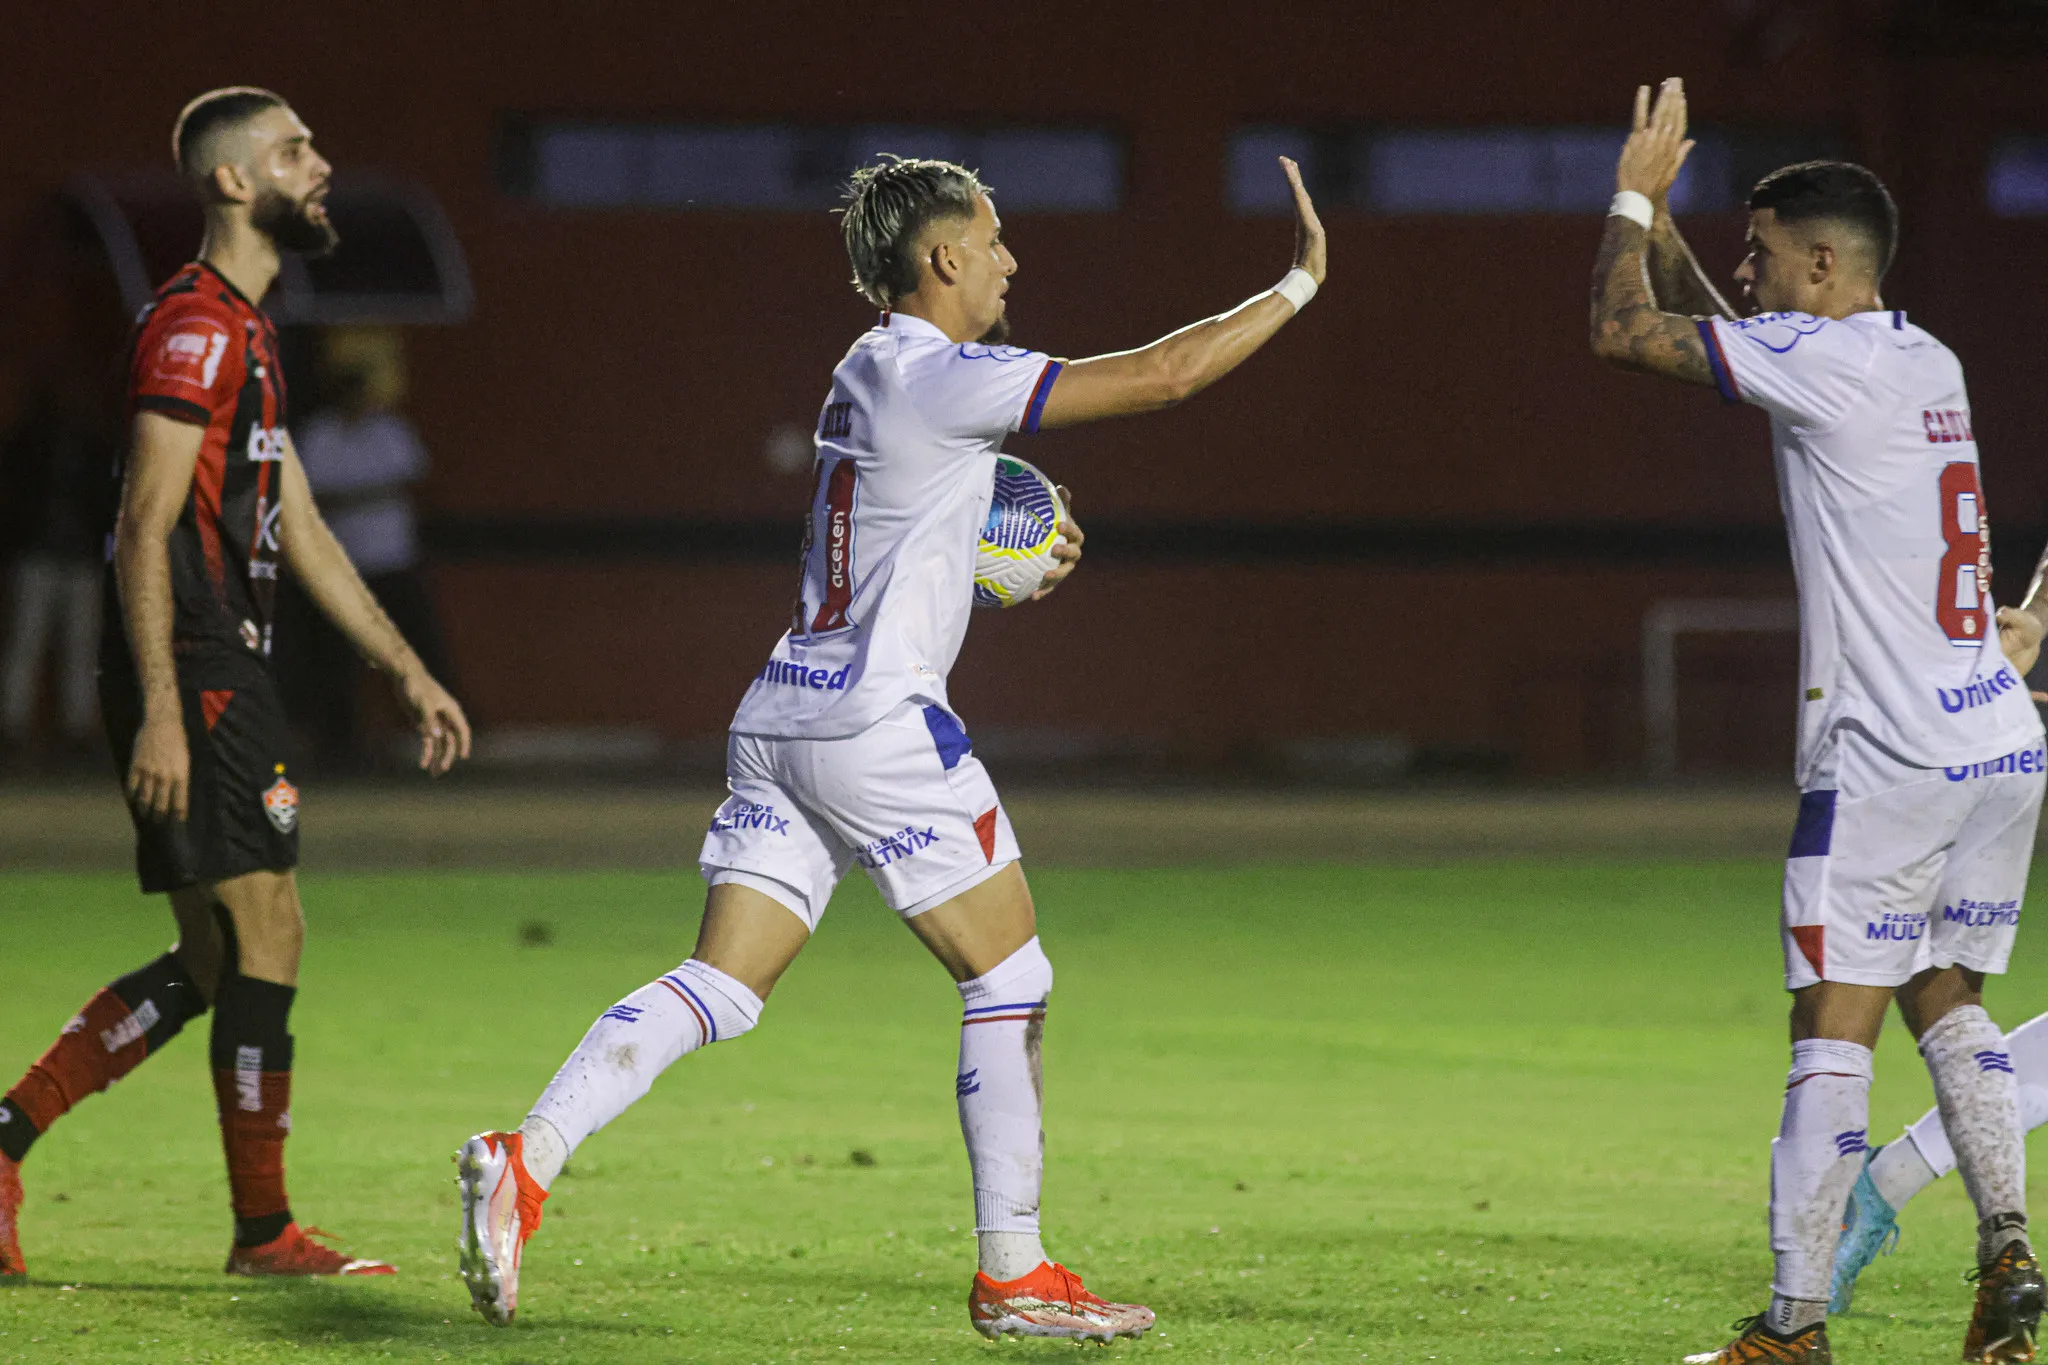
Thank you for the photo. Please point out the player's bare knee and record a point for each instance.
(201, 944)
(1936, 993)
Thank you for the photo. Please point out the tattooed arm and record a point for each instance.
(1681, 285)
(1629, 329)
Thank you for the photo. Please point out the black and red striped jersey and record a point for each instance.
(204, 354)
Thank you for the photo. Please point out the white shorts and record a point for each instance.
(1896, 869)
(905, 798)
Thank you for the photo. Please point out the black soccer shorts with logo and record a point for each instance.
(243, 809)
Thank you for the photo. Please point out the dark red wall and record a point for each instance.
(634, 363)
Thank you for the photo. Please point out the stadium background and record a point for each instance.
(1424, 523)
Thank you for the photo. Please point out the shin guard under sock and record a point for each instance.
(1979, 1100)
(252, 1089)
(1815, 1159)
(999, 1087)
(120, 1026)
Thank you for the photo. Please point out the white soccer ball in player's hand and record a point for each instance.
(1015, 551)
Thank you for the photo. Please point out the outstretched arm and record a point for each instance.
(1628, 328)
(2020, 628)
(323, 570)
(1183, 363)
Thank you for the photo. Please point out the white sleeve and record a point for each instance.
(1807, 370)
(980, 392)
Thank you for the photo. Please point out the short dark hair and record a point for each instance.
(1838, 190)
(212, 113)
(888, 207)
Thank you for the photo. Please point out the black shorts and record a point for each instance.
(244, 810)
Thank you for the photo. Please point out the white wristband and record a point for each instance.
(1297, 286)
(1634, 207)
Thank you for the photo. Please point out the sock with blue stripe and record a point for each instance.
(1000, 1090)
(630, 1044)
(1815, 1159)
(1979, 1100)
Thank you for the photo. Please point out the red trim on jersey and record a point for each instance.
(208, 476)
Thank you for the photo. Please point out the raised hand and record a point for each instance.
(1657, 145)
(1311, 249)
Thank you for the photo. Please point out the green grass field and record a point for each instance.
(1490, 1112)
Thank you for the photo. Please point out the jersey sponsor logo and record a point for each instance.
(191, 357)
(749, 815)
(837, 421)
(907, 842)
(840, 488)
(2024, 761)
(1906, 926)
(1982, 914)
(265, 444)
(281, 803)
(1945, 426)
(1786, 330)
(1980, 693)
(266, 523)
(1002, 355)
(251, 636)
(797, 675)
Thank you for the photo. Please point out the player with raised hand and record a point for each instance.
(1920, 753)
(845, 749)
(213, 503)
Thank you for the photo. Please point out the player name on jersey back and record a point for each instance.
(1884, 506)
(907, 444)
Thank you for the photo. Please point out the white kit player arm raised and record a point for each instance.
(1628, 327)
(1181, 364)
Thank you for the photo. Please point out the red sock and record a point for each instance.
(109, 1038)
(252, 1087)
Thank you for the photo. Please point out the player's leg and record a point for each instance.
(126, 1021)
(1975, 1087)
(771, 868)
(1861, 855)
(133, 1016)
(924, 820)
(1922, 1154)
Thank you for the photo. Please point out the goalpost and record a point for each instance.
(1663, 623)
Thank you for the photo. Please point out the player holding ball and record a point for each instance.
(845, 749)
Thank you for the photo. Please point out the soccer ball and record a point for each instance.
(1015, 553)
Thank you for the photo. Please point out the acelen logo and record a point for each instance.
(266, 444)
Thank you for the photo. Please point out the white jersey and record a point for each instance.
(1877, 472)
(906, 465)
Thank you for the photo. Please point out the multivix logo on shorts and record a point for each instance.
(1906, 926)
(1982, 914)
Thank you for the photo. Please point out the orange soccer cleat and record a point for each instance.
(294, 1252)
(1758, 1345)
(1051, 1301)
(500, 1210)
(11, 1265)
(2010, 1296)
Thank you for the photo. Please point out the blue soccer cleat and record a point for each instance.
(1869, 1225)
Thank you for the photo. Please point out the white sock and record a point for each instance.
(633, 1042)
(542, 1149)
(1979, 1100)
(1000, 1093)
(1814, 1161)
(1903, 1169)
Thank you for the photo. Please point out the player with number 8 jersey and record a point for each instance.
(1920, 756)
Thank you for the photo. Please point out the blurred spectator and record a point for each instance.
(362, 457)
(54, 461)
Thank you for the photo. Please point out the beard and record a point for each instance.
(998, 333)
(291, 225)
